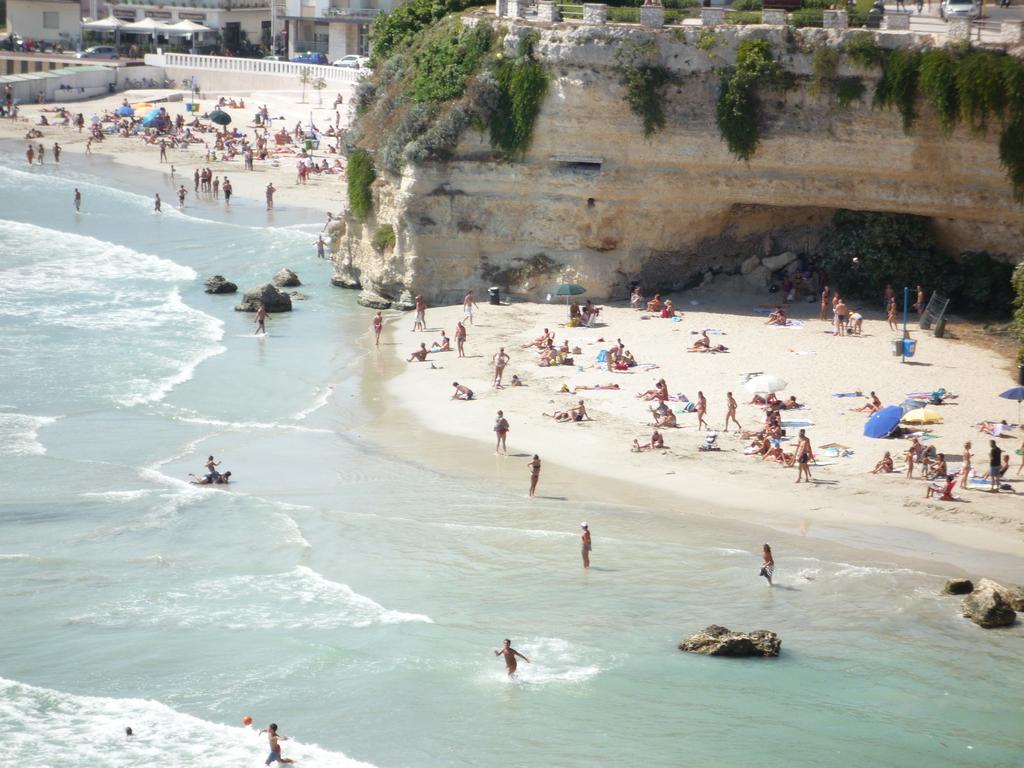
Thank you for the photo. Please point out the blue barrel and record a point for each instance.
(909, 347)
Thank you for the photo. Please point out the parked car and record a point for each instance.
(352, 61)
(98, 52)
(309, 57)
(959, 9)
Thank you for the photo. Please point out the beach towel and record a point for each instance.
(708, 331)
(680, 398)
(797, 423)
(602, 356)
(847, 394)
(790, 324)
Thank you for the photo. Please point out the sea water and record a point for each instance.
(356, 599)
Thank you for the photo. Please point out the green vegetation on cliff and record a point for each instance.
(738, 108)
(640, 71)
(360, 176)
(522, 85)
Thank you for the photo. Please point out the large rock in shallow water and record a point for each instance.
(958, 587)
(990, 605)
(373, 301)
(275, 299)
(286, 279)
(719, 641)
(220, 284)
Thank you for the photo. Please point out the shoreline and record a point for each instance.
(917, 533)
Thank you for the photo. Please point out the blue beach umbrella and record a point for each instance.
(124, 111)
(151, 118)
(1017, 393)
(883, 423)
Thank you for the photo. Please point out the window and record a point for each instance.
(363, 40)
(51, 20)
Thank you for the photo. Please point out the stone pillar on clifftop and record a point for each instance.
(776, 17)
(835, 20)
(595, 13)
(959, 29)
(652, 16)
(712, 17)
(894, 20)
(516, 9)
(501, 8)
(1012, 32)
(548, 11)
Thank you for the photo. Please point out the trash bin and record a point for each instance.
(897, 347)
(909, 347)
(495, 293)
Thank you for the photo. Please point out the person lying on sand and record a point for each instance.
(541, 341)
(462, 392)
(217, 479)
(714, 349)
(660, 391)
(579, 413)
(419, 355)
(873, 405)
(444, 345)
(996, 429)
(884, 465)
(579, 387)
(778, 317)
(786, 405)
(655, 443)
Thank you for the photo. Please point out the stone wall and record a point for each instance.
(596, 203)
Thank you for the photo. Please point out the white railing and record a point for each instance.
(253, 66)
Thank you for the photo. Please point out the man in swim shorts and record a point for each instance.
(462, 392)
(585, 544)
(510, 654)
(275, 747)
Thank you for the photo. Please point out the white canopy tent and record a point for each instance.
(109, 24)
(186, 27)
(147, 27)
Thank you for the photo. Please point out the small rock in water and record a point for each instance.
(220, 284)
(274, 299)
(286, 279)
(719, 641)
(990, 605)
(958, 587)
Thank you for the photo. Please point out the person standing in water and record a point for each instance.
(510, 655)
(768, 564)
(41, 152)
(501, 430)
(534, 466)
(378, 326)
(78, 200)
(320, 246)
(56, 153)
(261, 319)
(181, 196)
(585, 544)
(275, 739)
(30, 154)
(156, 203)
(227, 191)
(270, 196)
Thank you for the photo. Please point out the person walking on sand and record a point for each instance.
(181, 196)
(501, 430)
(890, 315)
(825, 303)
(275, 739)
(378, 326)
(500, 360)
(156, 203)
(270, 196)
(995, 461)
(768, 564)
(803, 457)
(78, 200)
(420, 322)
(731, 412)
(468, 305)
(510, 655)
(460, 338)
(534, 466)
(261, 319)
(702, 409)
(965, 467)
(585, 544)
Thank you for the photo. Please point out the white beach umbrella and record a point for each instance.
(109, 24)
(146, 27)
(764, 384)
(186, 27)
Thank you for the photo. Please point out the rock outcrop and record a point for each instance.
(595, 201)
(270, 295)
(990, 605)
(719, 641)
(286, 279)
(958, 587)
(220, 284)
(372, 301)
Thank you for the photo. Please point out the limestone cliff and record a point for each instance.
(595, 202)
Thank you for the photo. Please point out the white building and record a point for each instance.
(333, 27)
(50, 21)
(235, 20)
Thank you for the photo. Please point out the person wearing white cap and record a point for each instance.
(585, 544)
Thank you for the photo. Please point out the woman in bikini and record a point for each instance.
(534, 466)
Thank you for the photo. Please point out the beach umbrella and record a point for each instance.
(764, 384)
(883, 423)
(124, 111)
(152, 118)
(220, 117)
(926, 415)
(1017, 393)
(569, 289)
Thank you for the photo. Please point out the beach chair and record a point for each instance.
(710, 442)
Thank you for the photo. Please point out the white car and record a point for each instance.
(958, 9)
(98, 52)
(352, 61)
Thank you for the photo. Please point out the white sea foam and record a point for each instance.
(290, 531)
(321, 400)
(19, 434)
(48, 728)
(119, 497)
(300, 598)
(249, 425)
(730, 551)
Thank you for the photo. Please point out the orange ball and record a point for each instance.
(247, 720)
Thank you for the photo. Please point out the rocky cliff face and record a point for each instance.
(595, 202)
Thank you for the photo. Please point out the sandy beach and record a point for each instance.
(326, 191)
(845, 497)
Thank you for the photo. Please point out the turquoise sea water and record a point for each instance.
(356, 599)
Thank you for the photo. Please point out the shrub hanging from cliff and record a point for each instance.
(396, 28)
(383, 238)
(1011, 155)
(522, 84)
(738, 113)
(937, 80)
(360, 176)
(644, 78)
(444, 63)
(898, 85)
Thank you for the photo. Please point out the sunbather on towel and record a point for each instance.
(996, 429)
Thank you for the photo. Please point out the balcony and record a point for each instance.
(361, 15)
